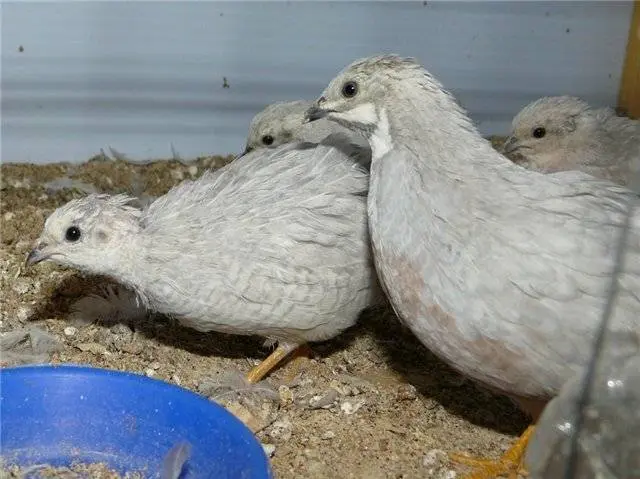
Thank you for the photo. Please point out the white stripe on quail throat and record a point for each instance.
(381, 141)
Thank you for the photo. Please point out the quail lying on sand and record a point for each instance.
(564, 133)
(275, 244)
(501, 271)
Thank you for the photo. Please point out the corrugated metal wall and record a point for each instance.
(143, 77)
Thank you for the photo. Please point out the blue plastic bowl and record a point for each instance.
(59, 414)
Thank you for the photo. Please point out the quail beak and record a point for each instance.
(315, 112)
(510, 145)
(37, 254)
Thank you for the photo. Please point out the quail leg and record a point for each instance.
(510, 464)
(276, 357)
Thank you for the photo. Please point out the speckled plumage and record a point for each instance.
(284, 122)
(576, 137)
(501, 271)
(274, 244)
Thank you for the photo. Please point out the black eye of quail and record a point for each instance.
(539, 132)
(267, 140)
(350, 89)
(72, 234)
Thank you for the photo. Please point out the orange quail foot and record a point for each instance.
(510, 464)
(294, 354)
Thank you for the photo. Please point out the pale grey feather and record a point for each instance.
(275, 244)
(283, 122)
(501, 271)
(574, 136)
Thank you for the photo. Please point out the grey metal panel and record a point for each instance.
(145, 76)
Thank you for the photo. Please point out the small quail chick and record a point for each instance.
(284, 122)
(564, 133)
(274, 244)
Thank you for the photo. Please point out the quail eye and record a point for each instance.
(267, 140)
(72, 234)
(349, 89)
(539, 132)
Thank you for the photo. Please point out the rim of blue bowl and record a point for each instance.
(105, 372)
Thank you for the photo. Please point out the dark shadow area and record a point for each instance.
(431, 376)
(167, 331)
